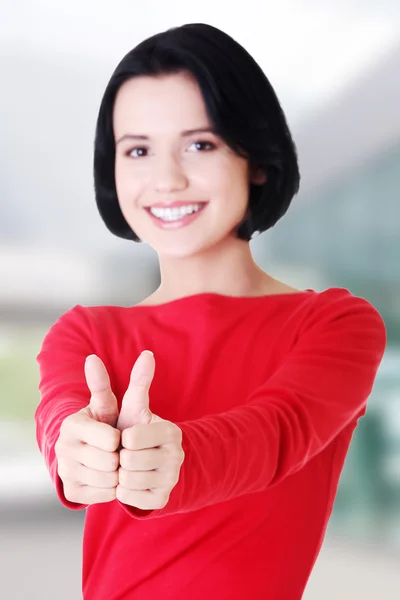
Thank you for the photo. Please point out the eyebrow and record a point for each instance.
(186, 133)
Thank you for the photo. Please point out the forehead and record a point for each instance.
(159, 102)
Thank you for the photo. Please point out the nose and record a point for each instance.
(169, 175)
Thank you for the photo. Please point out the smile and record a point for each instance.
(173, 214)
(172, 218)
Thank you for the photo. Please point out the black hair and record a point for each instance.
(242, 107)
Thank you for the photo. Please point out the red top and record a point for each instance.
(267, 391)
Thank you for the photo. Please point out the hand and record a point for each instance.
(151, 454)
(86, 448)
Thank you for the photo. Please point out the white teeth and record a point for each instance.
(176, 213)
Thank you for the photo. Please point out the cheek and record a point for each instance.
(231, 183)
(120, 178)
(127, 183)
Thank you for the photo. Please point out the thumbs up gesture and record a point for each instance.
(87, 446)
(151, 455)
(132, 455)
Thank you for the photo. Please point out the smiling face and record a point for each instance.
(162, 157)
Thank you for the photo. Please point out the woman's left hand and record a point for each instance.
(151, 455)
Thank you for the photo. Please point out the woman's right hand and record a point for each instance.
(87, 448)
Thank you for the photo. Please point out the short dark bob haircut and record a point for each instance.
(241, 105)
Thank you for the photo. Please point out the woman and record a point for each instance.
(220, 481)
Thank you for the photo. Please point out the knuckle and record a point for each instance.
(138, 479)
(122, 478)
(172, 479)
(61, 469)
(71, 492)
(107, 461)
(162, 500)
(114, 440)
(68, 425)
(123, 495)
(148, 479)
(149, 463)
(62, 448)
(128, 438)
(173, 431)
(125, 439)
(145, 502)
(150, 501)
(124, 458)
(70, 421)
(114, 479)
(108, 496)
(176, 457)
(114, 461)
(107, 480)
(93, 477)
(66, 470)
(179, 435)
(109, 441)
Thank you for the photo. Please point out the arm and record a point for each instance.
(321, 387)
(60, 373)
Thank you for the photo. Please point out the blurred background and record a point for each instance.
(335, 65)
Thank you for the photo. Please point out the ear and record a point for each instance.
(258, 175)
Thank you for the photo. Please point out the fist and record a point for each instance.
(151, 453)
(132, 455)
(87, 447)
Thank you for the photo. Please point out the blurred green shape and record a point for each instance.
(19, 373)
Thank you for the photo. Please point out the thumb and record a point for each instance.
(103, 404)
(135, 403)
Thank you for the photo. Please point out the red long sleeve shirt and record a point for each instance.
(267, 391)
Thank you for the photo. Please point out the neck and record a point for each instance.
(229, 269)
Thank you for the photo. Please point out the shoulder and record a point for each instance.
(338, 314)
(80, 312)
(86, 322)
(337, 300)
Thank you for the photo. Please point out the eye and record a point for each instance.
(203, 145)
(137, 152)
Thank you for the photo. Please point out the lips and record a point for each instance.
(180, 222)
(174, 204)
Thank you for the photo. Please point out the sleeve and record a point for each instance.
(63, 388)
(322, 385)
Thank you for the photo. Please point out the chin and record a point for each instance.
(176, 251)
(181, 250)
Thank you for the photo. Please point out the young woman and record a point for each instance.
(219, 481)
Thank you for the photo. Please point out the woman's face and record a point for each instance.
(162, 158)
